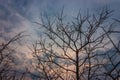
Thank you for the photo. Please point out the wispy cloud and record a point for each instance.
(19, 15)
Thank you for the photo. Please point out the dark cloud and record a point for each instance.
(21, 6)
(13, 13)
(4, 13)
(8, 19)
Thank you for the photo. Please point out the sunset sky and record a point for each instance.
(20, 15)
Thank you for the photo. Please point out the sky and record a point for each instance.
(20, 15)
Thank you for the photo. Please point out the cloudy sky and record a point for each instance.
(20, 15)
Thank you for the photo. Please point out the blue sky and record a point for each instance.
(19, 15)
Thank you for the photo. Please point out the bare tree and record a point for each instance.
(7, 64)
(114, 54)
(73, 50)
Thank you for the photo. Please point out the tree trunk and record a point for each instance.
(77, 66)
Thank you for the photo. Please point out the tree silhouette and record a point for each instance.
(7, 65)
(74, 50)
(114, 72)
